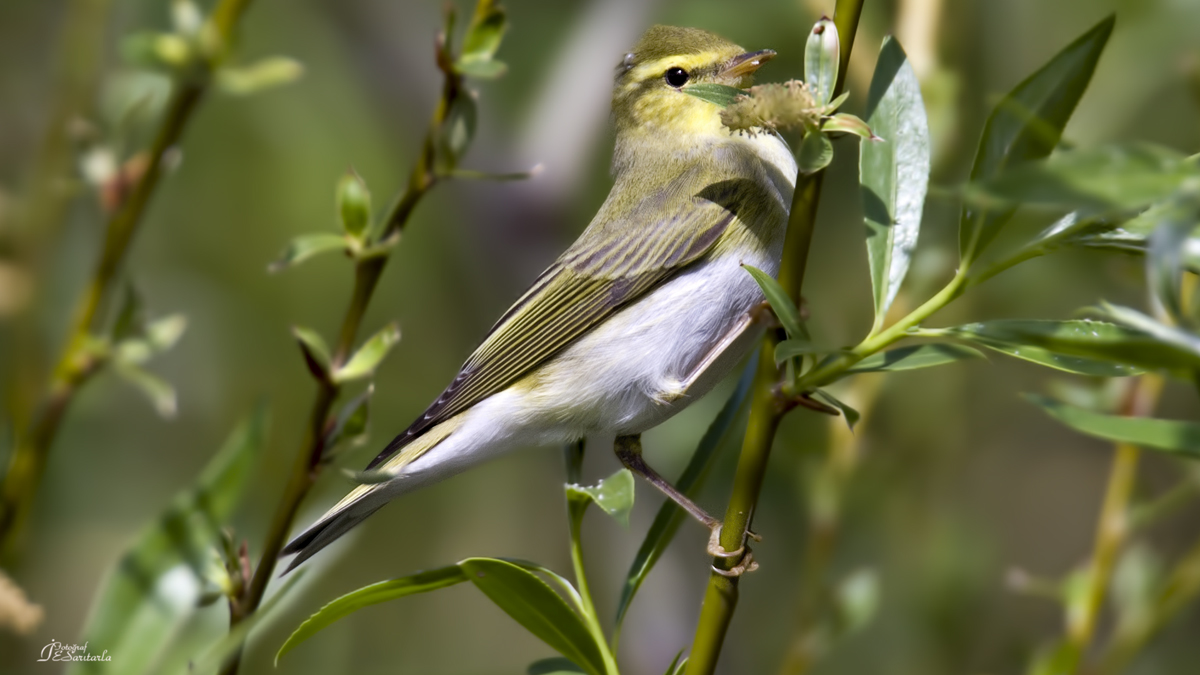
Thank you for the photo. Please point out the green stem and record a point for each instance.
(1113, 529)
(307, 463)
(75, 364)
(721, 596)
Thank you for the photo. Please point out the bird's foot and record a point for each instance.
(742, 554)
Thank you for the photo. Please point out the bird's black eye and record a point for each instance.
(676, 77)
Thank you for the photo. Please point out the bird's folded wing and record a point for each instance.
(597, 276)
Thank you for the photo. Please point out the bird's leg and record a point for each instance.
(629, 451)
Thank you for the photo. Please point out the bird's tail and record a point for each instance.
(366, 499)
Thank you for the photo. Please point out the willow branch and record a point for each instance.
(721, 596)
(307, 463)
(76, 364)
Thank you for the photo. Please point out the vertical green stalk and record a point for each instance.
(76, 364)
(307, 463)
(1112, 530)
(766, 410)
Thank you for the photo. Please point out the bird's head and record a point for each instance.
(648, 96)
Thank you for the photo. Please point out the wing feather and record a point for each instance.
(593, 279)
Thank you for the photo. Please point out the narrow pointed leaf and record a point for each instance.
(849, 124)
(614, 495)
(485, 32)
(160, 392)
(314, 350)
(913, 358)
(457, 132)
(816, 152)
(534, 605)
(306, 246)
(354, 205)
(717, 94)
(481, 69)
(1171, 436)
(852, 416)
(351, 424)
(821, 54)
(131, 318)
(1166, 254)
(781, 303)
(421, 582)
(1085, 347)
(1102, 179)
(727, 425)
(153, 588)
(554, 666)
(1175, 348)
(894, 174)
(273, 71)
(1026, 125)
(369, 356)
(790, 349)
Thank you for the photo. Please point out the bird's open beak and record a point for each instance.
(747, 63)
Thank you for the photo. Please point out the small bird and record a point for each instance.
(646, 312)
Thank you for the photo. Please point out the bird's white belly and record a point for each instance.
(625, 376)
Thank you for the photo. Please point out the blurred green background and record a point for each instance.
(961, 481)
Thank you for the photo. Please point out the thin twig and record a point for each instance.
(76, 363)
(1112, 530)
(307, 463)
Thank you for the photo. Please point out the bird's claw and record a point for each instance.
(746, 564)
(742, 554)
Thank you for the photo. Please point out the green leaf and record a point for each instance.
(554, 666)
(1083, 347)
(304, 247)
(131, 317)
(781, 303)
(816, 152)
(894, 174)
(485, 32)
(1171, 436)
(351, 424)
(1176, 349)
(849, 124)
(1133, 235)
(156, 337)
(369, 356)
(152, 589)
(852, 416)
(857, 598)
(1027, 125)
(314, 350)
(534, 605)
(821, 54)
(678, 665)
(160, 392)
(421, 582)
(728, 424)
(614, 495)
(1097, 180)
(482, 70)
(456, 132)
(913, 357)
(270, 72)
(790, 349)
(717, 94)
(1166, 253)
(354, 205)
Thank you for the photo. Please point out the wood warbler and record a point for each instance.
(647, 311)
